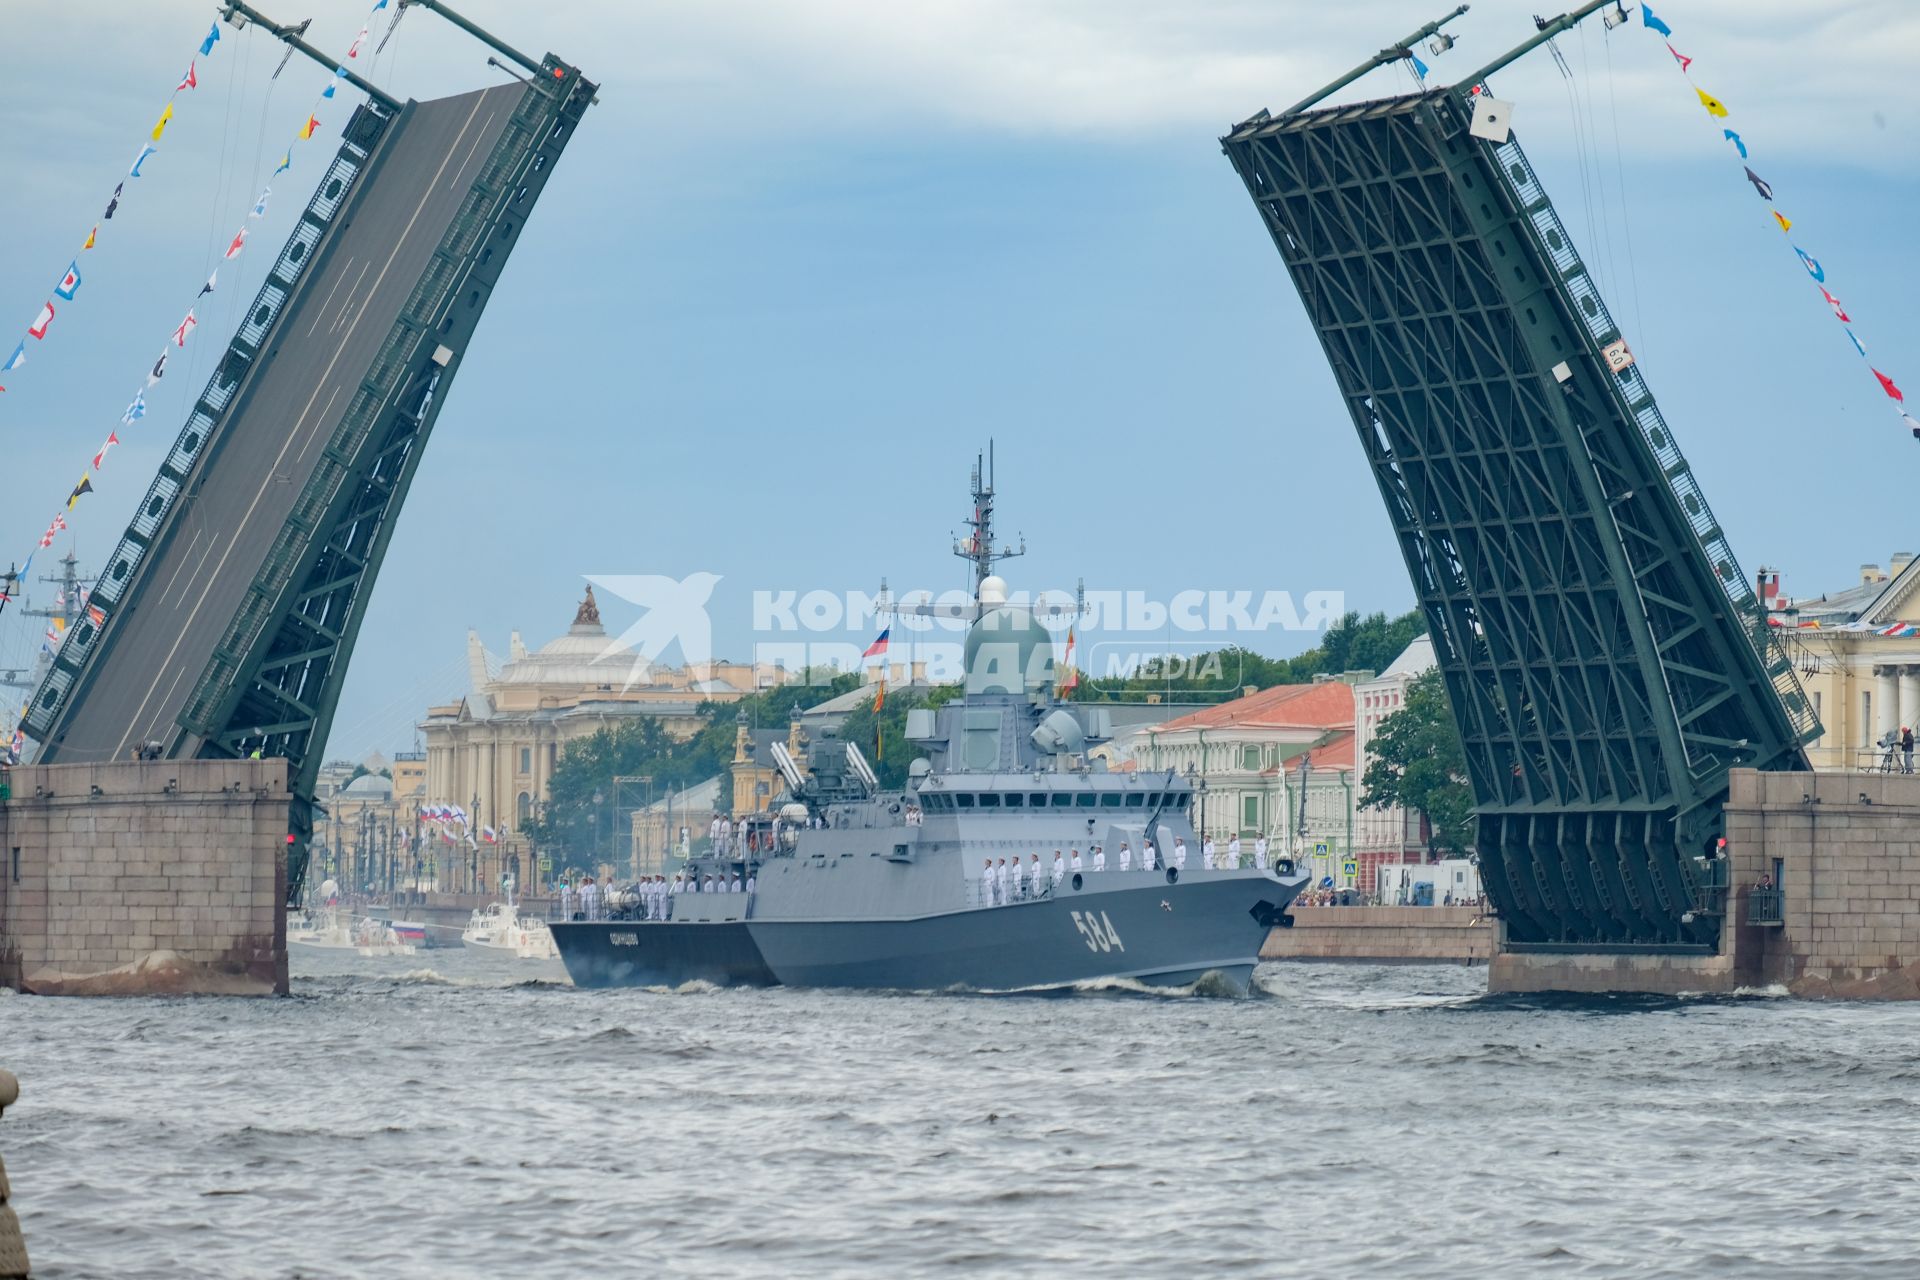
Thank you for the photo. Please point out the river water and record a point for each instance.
(451, 1115)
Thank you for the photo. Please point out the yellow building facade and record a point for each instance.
(494, 751)
(1857, 651)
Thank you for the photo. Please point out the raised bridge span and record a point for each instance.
(232, 601)
(1604, 654)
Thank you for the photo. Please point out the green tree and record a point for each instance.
(1419, 764)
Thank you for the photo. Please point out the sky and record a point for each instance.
(805, 259)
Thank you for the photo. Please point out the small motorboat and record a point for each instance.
(499, 927)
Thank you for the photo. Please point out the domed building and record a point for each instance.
(494, 751)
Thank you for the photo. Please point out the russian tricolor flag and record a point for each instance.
(879, 646)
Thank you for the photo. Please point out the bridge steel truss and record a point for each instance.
(1600, 646)
(272, 685)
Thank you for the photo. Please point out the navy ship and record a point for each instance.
(855, 885)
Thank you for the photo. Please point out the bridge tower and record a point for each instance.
(1604, 655)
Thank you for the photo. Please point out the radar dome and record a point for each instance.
(993, 590)
(1008, 651)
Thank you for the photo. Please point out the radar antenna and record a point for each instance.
(977, 547)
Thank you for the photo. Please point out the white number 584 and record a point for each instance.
(1098, 931)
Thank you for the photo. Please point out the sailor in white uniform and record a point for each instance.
(1059, 869)
(1035, 877)
(1001, 883)
(1206, 854)
(1146, 855)
(989, 889)
(1178, 858)
(1099, 858)
(1233, 852)
(1126, 855)
(1073, 862)
(1260, 852)
(590, 900)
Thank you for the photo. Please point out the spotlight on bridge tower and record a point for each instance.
(1614, 17)
(1439, 44)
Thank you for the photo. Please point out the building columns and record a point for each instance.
(1886, 705)
(1909, 696)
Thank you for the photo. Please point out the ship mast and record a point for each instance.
(67, 607)
(977, 547)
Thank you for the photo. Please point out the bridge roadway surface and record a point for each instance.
(333, 330)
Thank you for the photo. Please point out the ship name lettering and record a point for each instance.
(624, 939)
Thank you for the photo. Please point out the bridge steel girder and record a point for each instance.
(1595, 634)
(272, 683)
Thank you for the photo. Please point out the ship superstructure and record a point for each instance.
(856, 885)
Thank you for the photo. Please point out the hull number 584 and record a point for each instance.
(1098, 931)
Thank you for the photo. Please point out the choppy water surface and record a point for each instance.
(443, 1116)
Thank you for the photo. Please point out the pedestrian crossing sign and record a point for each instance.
(1320, 848)
(1349, 868)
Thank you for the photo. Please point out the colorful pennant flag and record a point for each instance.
(286, 163)
(165, 116)
(84, 487)
(186, 327)
(70, 282)
(259, 209)
(159, 369)
(113, 438)
(38, 329)
(18, 358)
(306, 130)
(1765, 190)
(353, 50)
(93, 237)
(114, 202)
(206, 288)
(188, 81)
(213, 38)
(139, 160)
(239, 243)
(135, 411)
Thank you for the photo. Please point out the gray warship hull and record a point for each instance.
(1120, 925)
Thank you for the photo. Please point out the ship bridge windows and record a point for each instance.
(1062, 800)
(964, 800)
(1136, 800)
(1084, 800)
(1110, 800)
(989, 800)
(1016, 799)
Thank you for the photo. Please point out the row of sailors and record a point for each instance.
(1003, 882)
(653, 896)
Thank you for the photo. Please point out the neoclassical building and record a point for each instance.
(1857, 651)
(494, 751)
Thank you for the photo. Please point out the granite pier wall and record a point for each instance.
(140, 878)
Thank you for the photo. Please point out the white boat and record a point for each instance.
(499, 928)
(378, 938)
(321, 930)
(326, 930)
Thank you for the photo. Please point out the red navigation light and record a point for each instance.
(289, 837)
(559, 73)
